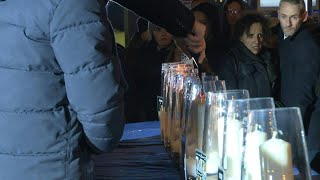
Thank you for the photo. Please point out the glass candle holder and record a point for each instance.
(236, 134)
(214, 131)
(193, 120)
(284, 155)
(279, 139)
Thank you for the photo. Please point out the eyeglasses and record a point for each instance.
(233, 11)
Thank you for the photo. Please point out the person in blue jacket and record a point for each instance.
(61, 93)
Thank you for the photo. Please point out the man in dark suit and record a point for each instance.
(299, 52)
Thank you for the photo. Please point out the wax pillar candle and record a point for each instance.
(252, 158)
(213, 163)
(220, 131)
(191, 167)
(276, 159)
(214, 152)
(166, 128)
(234, 149)
(200, 110)
(162, 123)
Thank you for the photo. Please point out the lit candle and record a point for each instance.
(252, 157)
(234, 149)
(276, 159)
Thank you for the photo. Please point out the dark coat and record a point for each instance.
(61, 85)
(145, 72)
(300, 69)
(244, 70)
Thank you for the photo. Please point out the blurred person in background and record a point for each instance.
(248, 64)
(195, 3)
(62, 94)
(141, 36)
(233, 11)
(208, 14)
(137, 41)
(147, 72)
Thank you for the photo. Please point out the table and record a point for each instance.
(140, 156)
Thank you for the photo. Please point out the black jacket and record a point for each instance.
(242, 69)
(300, 68)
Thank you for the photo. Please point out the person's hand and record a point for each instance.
(195, 41)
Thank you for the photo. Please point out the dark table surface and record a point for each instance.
(140, 155)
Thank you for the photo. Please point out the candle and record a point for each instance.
(200, 109)
(166, 128)
(276, 159)
(234, 149)
(213, 163)
(252, 157)
(162, 116)
(191, 167)
(220, 132)
(214, 147)
(175, 144)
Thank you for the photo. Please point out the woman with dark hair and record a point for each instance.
(208, 15)
(248, 64)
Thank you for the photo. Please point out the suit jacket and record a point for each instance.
(300, 68)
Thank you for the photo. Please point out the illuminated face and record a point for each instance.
(254, 40)
(290, 17)
(162, 37)
(233, 13)
(202, 18)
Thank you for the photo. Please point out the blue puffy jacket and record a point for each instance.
(60, 88)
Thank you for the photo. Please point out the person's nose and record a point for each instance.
(288, 22)
(163, 32)
(257, 41)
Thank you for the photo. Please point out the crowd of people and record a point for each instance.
(270, 56)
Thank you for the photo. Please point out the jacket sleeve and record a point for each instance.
(83, 42)
(169, 14)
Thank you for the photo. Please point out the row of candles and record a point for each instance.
(240, 137)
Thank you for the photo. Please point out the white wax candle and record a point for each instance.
(276, 159)
(234, 149)
(212, 163)
(162, 116)
(200, 123)
(220, 129)
(252, 158)
(212, 177)
(191, 167)
(166, 128)
(175, 144)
